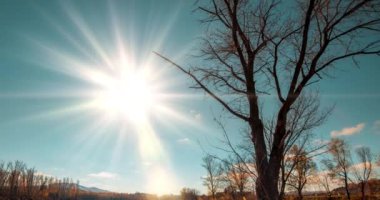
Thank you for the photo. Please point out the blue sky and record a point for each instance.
(48, 121)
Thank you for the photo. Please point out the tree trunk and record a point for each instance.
(266, 185)
(300, 196)
(268, 173)
(329, 195)
(283, 182)
(268, 170)
(347, 190)
(363, 190)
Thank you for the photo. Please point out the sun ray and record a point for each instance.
(85, 30)
(75, 42)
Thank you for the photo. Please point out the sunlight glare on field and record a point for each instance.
(161, 180)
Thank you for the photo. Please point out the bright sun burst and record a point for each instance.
(128, 95)
(127, 88)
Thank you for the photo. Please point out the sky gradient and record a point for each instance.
(47, 120)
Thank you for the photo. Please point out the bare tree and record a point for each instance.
(237, 169)
(290, 162)
(304, 168)
(253, 48)
(14, 178)
(324, 180)
(3, 178)
(340, 163)
(189, 194)
(237, 176)
(364, 171)
(303, 118)
(230, 192)
(30, 183)
(213, 179)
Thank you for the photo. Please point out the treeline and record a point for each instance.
(338, 174)
(18, 182)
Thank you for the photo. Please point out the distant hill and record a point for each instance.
(92, 189)
(354, 188)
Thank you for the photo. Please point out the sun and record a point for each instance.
(126, 92)
(129, 96)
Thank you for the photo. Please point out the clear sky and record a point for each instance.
(58, 102)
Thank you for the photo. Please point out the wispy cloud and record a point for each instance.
(103, 175)
(184, 141)
(348, 130)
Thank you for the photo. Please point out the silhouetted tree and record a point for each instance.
(303, 118)
(189, 194)
(213, 178)
(14, 178)
(325, 181)
(256, 49)
(364, 171)
(30, 183)
(304, 168)
(236, 176)
(230, 192)
(3, 178)
(340, 164)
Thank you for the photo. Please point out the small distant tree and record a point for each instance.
(364, 171)
(304, 117)
(237, 177)
(324, 180)
(30, 183)
(340, 163)
(15, 176)
(213, 178)
(3, 178)
(237, 171)
(189, 194)
(230, 192)
(304, 168)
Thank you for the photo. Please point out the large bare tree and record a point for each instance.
(259, 47)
